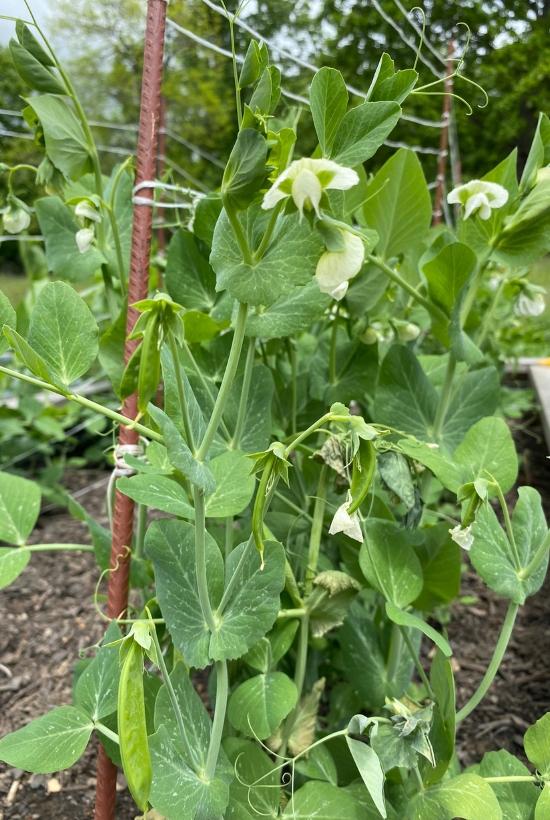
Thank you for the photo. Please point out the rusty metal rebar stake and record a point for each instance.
(123, 518)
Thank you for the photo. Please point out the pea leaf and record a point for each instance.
(319, 765)
(111, 350)
(12, 564)
(63, 332)
(398, 204)
(176, 791)
(488, 448)
(389, 563)
(32, 72)
(363, 130)
(289, 314)
(467, 796)
(52, 742)
(96, 692)
(323, 802)
(475, 396)
(537, 745)
(66, 143)
(290, 258)
(7, 317)
(190, 280)
(157, 491)
(442, 730)
(370, 770)
(19, 508)
(517, 800)
(234, 485)
(328, 98)
(542, 809)
(258, 706)
(28, 356)
(29, 41)
(440, 560)
(172, 404)
(171, 547)
(256, 434)
(245, 171)
(403, 618)
(180, 455)
(62, 255)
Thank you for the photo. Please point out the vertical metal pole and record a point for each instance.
(123, 518)
(444, 142)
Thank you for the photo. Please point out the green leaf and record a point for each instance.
(290, 258)
(542, 809)
(475, 396)
(176, 791)
(442, 731)
(491, 553)
(402, 618)
(397, 88)
(536, 158)
(245, 171)
(111, 350)
(448, 272)
(32, 72)
(172, 404)
(29, 41)
(260, 656)
(323, 801)
(101, 536)
(96, 692)
(7, 317)
(12, 563)
(180, 455)
(207, 212)
(63, 332)
(467, 796)
(398, 204)
(234, 485)
(319, 765)
(363, 130)
(440, 559)
(256, 434)
(517, 800)
(123, 209)
(356, 365)
(328, 99)
(171, 547)
(28, 356)
(19, 508)
(290, 314)
(59, 229)
(197, 724)
(66, 143)
(255, 789)
(330, 600)
(370, 770)
(50, 743)
(157, 491)
(258, 706)
(393, 751)
(199, 327)
(488, 448)
(389, 563)
(254, 604)
(537, 745)
(189, 279)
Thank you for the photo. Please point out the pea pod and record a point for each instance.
(363, 471)
(132, 730)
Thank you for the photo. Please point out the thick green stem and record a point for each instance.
(311, 429)
(396, 648)
(236, 73)
(488, 320)
(56, 547)
(268, 232)
(227, 381)
(141, 530)
(107, 732)
(508, 524)
(228, 536)
(118, 249)
(181, 392)
(433, 310)
(206, 388)
(418, 778)
(537, 560)
(418, 665)
(332, 354)
(473, 288)
(200, 560)
(316, 530)
(106, 411)
(515, 778)
(238, 231)
(444, 397)
(222, 692)
(247, 378)
(293, 386)
(498, 654)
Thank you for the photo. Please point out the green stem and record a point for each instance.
(316, 530)
(418, 778)
(107, 732)
(444, 397)
(311, 429)
(222, 692)
(294, 386)
(111, 414)
(517, 778)
(200, 560)
(56, 547)
(537, 560)
(473, 288)
(332, 355)
(238, 231)
(236, 73)
(294, 507)
(206, 388)
(268, 231)
(228, 536)
(181, 392)
(287, 614)
(493, 667)
(174, 701)
(118, 249)
(487, 322)
(435, 312)
(234, 578)
(141, 529)
(396, 647)
(247, 378)
(227, 381)
(299, 678)
(508, 524)
(418, 665)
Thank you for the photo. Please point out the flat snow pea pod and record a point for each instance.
(132, 730)
(363, 471)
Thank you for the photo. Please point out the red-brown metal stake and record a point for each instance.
(160, 168)
(123, 517)
(444, 142)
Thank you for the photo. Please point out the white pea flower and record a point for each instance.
(462, 537)
(84, 239)
(408, 332)
(346, 523)
(86, 210)
(336, 268)
(306, 179)
(479, 197)
(543, 175)
(527, 306)
(16, 219)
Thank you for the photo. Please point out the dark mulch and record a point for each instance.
(49, 616)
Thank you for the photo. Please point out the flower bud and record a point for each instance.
(84, 239)
(86, 210)
(527, 306)
(408, 332)
(15, 219)
(369, 336)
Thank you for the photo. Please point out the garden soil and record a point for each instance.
(48, 616)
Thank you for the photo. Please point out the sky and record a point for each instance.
(16, 8)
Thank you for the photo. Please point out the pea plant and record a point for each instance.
(326, 445)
